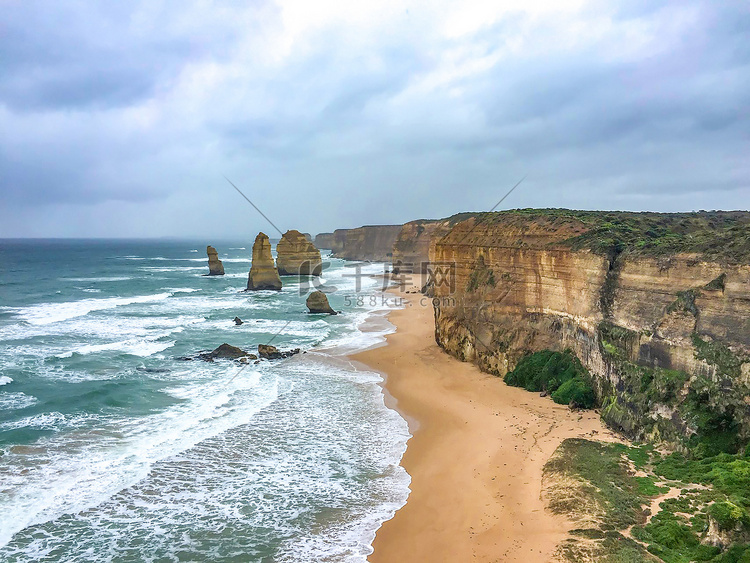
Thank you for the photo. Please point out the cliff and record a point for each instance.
(297, 256)
(263, 273)
(325, 241)
(655, 306)
(371, 242)
(416, 241)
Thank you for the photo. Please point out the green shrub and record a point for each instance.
(728, 515)
(576, 392)
(544, 371)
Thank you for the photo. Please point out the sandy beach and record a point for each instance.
(476, 455)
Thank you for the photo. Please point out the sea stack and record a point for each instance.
(317, 302)
(297, 256)
(263, 273)
(215, 267)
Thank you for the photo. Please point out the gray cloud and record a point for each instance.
(634, 105)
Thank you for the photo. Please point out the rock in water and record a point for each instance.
(215, 267)
(268, 352)
(227, 351)
(317, 302)
(237, 321)
(297, 256)
(263, 273)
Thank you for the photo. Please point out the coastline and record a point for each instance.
(476, 454)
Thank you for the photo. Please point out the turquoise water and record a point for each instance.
(113, 449)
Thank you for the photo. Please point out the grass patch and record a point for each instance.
(647, 487)
(676, 533)
(605, 476)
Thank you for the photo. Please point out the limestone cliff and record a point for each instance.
(297, 256)
(371, 242)
(263, 273)
(656, 306)
(215, 267)
(416, 241)
(325, 240)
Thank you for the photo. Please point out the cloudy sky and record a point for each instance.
(122, 118)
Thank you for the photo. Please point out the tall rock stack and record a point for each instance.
(263, 272)
(297, 256)
(215, 267)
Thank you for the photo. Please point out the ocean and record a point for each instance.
(112, 448)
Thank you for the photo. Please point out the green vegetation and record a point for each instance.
(685, 302)
(604, 476)
(617, 341)
(717, 284)
(480, 276)
(719, 355)
(609, 498)
(593, 484)
(718, 235)
(576, 392)
(559, 373)
(671, 538)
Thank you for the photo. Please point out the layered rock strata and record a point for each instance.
(263, 273)
(297, 256)
(656, 307)
(416, 241)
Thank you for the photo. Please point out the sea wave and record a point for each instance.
(135, 347)
(20, 400)
(48, 313)
(80, 470)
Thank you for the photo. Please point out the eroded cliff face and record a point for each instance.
(666, 338)
(372, 242)
(416, 241)
(325, 241)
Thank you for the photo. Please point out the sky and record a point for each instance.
(125, 119)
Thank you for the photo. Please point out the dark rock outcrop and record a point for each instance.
(227, 351)
(297, 256)
(317, 302)
(223, 352)
(263, 273)
(268, 352)
(215, 267)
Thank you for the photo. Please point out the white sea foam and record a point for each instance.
(135, 347)
(4, 380)
(9, 401)
(99, 279)
(69, 476)
(47, 313)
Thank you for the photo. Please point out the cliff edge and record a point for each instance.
(655, 306)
